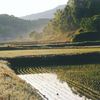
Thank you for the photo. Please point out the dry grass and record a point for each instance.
(12, 87)
(40, 52)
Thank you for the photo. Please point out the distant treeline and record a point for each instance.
(13, 28)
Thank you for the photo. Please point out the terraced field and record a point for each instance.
(80, 68)
(84, 78)
(44, 52)
(76, 76)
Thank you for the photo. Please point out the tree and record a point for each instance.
(91, 24)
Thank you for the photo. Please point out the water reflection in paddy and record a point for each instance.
(50, 87)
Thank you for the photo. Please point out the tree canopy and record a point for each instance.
(78, 14)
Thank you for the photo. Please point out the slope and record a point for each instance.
(13, 88)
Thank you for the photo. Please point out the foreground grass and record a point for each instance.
(41, 52)
(13, 88)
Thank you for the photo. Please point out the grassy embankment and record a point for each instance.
(12, 87)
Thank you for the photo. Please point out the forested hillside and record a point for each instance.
(79, 19)
(12, 27)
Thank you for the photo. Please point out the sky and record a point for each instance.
(21, 8)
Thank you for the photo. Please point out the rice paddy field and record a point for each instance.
(55, 90)
(43, 52)
(79, 67)
(84, 78)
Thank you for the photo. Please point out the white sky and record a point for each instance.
(25, 7)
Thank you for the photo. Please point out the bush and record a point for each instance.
(87, 36)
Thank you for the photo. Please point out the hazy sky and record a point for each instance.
(26, 7)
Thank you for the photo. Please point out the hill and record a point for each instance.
(78, 17)
(47, 14)
(12, 27)
(12, 87)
